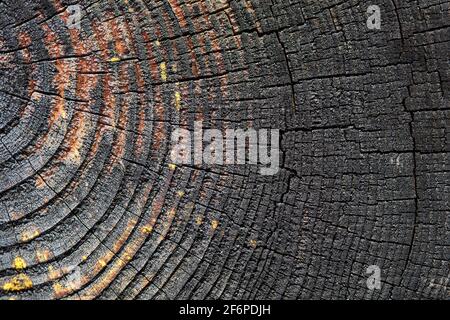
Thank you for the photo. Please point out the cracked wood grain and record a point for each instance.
(92, 208)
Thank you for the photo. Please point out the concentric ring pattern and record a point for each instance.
(91, 206)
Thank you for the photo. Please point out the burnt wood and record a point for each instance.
(92, 208)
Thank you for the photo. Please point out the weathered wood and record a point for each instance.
(90, 206)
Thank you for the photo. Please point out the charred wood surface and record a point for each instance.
(91, 206)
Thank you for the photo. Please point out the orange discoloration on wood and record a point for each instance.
(54, 274)
(40, 183)
(117, 31)
(194, 63)
(25, 42)
(168, 24)
(100, 131)
(141, 125)
(118, 149)
(101, 40)
(178, 13)
(140, 81)
(43, 255)
(14, 216)
(59, 6)
(134, 245)
(130, 38)
(159, 134)
(30, 234)
(75, 139)
(154, 67)
(61, 79)
(124, 235)
(58, 111)
(141, 131)
(60, 291)
(24, 39)
(114, 115)
(249, 8)
(51, 41)
(102, 262)
(104, 280)
(84, 82)
(109, 99)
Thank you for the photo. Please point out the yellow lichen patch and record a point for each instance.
(199, 220)
(178, 100)
(180, 193)
(19, 263)
(127, 257)
(43, 255)
(84, 258)
(253, 243)
(163, 68)
(102, 263)
(18, 283)
(214, 224)
(147, 229)
(157, 43)
(172, 166)
(114, 59)
(60, 290)
(30, 235)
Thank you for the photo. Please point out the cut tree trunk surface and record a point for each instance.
(92, 207)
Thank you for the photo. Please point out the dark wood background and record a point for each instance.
(90, 206)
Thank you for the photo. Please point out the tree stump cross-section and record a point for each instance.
(92, 207)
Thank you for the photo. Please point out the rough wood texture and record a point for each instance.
(85, 124)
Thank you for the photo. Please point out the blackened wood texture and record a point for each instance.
(90, 206)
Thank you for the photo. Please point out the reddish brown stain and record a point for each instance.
(178, 13)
